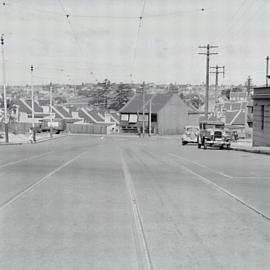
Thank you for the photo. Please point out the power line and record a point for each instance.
(137, 38)
(67, 16)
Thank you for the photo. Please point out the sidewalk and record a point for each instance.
(246, 146)
(15, 139)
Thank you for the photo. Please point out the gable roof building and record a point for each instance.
(169, 114)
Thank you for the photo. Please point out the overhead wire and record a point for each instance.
(137, 39)
(67, 16)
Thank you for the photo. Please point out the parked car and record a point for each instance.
(190, 134)
(212, 134)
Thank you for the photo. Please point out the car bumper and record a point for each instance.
(218, 142)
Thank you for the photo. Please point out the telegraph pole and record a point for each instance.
(249, 85)
(143, 101)
(208, 53)
(149, 117)
(32, 97)
(217, 72)
(267, 68)
(51, 129)
(5, 91)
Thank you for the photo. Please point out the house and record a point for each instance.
(238, 95)
(261, 116)
(24, 111)
(169, 114)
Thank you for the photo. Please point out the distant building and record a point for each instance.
(261, 116)
(169, 114)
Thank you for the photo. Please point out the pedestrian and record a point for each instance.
(31, 139)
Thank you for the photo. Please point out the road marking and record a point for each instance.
(201, 165)
(251, 177)
(35, 184)
(228, 193)
(25, 159)
(143, 253)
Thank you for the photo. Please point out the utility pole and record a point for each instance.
(5, 91)
(208, 53)
(32, 98)
(249, 85)
(51, 129)
(143, 102)
(217, 72)
(267, 68)
(149, 117)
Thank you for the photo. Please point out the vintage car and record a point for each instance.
(212, 134)
(190, 135)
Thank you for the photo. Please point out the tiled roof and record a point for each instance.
(84, 114)
(95, 115)
(63, 111)
(240, 119)
(235, 117)
(135, 104)
(37, 108)
(22, 107)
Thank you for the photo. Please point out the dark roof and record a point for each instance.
(135, 104)
(37, 108)
(83, 114)
(23, 107)
(95, 115)
(63, 111)
(235, 117)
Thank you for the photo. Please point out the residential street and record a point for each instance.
(124, 203)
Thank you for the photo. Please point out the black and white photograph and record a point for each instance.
(134, 135)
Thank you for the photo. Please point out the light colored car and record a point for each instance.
(190, 135)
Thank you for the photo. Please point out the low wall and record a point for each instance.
(86, 128)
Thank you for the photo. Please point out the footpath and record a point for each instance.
(16, 139)
(246, 146)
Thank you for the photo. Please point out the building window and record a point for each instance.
(262, 117)
(124, 117)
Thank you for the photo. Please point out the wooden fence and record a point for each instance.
(22, 128)
(86, 128)
(17, 128)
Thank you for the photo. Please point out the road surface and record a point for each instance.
(85, 202)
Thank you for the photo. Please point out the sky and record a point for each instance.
(102, 39)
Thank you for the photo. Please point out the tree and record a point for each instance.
(122, 95)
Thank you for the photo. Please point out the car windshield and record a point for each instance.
(210, 126)
(192, 129)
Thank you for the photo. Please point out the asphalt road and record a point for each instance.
(116, 203)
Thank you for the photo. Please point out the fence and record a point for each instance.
(87, 128)
(22, 128)
(17, 128)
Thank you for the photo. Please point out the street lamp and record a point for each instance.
(4, 88)
(32, 97)
(51, 133)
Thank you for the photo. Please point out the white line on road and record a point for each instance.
(201, 165)
(143, 254)
(25, 159)
(35, 184)
(228, 193)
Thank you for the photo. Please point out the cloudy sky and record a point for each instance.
(100, 39)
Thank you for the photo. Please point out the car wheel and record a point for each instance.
(204, 144)
(199, 142)
(228, 146)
